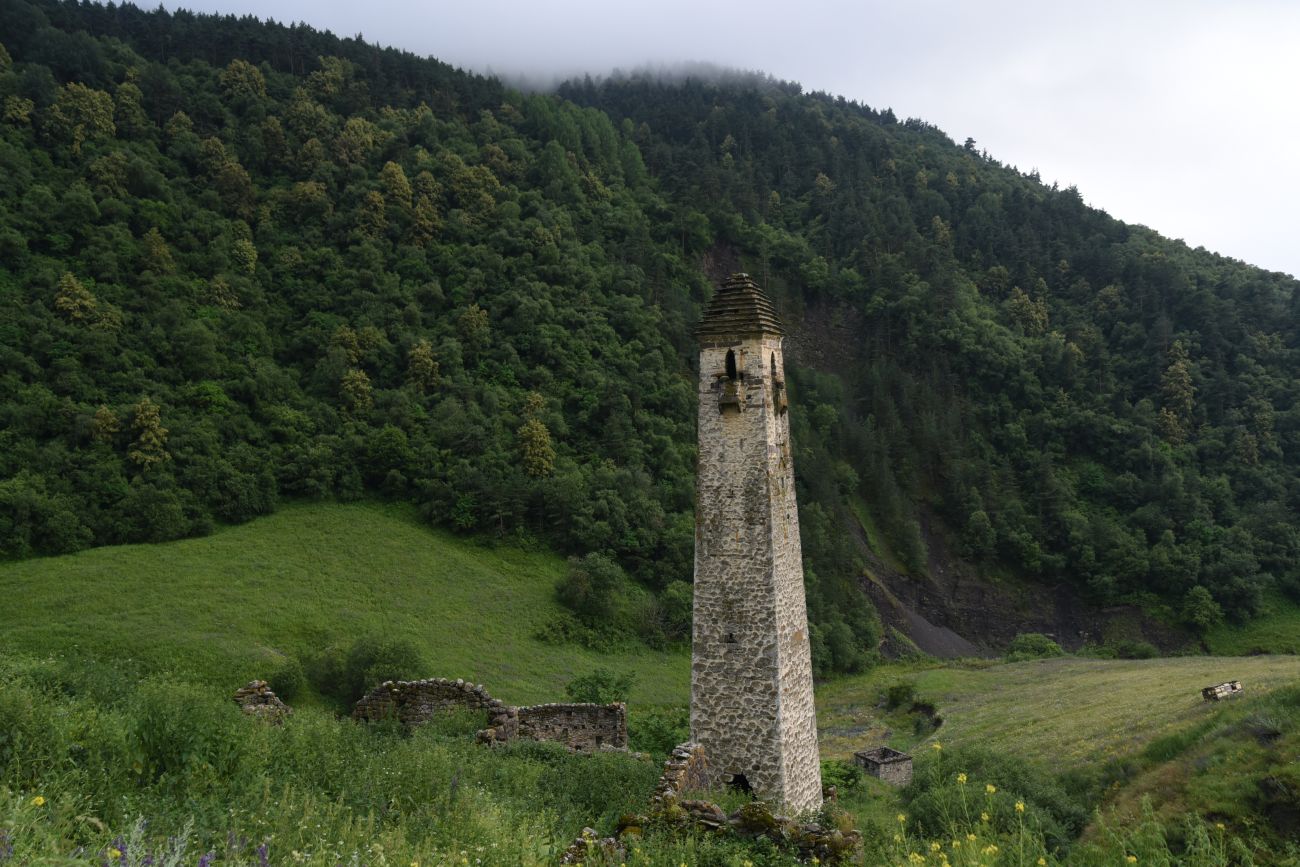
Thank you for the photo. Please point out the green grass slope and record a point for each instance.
(225, 607)
(1060, 712)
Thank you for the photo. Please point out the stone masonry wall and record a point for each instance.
(583, 727)
(751, 678)
(413, 702)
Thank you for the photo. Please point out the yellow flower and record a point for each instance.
(816, 860)
(936, 746)
(984, 817)
(114, 854)
(1219, 825)
(961, 778)
(1041, 862)
(935, 847)
(1132, 859)
(916, 858)
(990, 849)
(39, 801)
(902, 817)
(1020, 806)
(990, 788)
(898, 838)
(956, 844)
(970, 837)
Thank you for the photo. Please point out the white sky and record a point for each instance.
(1182, 115)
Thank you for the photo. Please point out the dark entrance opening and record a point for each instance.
(739, 783)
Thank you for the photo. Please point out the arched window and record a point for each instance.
(731, 364)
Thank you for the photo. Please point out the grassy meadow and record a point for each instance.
(117, 733)
(223, 609)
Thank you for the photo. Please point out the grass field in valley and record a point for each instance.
(223, 608)
(1060, 712)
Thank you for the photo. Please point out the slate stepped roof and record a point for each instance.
(739, 307)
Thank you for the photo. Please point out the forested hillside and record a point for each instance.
(242, 263)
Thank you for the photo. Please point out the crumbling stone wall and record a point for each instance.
(582, 727)
(256, 699)
(686, 770)
(413, 702)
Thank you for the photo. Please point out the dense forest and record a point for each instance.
(242, 263)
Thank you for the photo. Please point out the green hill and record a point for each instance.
(224, 608)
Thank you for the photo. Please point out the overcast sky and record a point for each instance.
(1183, 115)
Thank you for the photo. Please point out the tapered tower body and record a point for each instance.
(751, 670)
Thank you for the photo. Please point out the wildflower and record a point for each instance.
(990, 849)
(961, 778)
(916, 858)
(1020, 806)
(1219, 825)
(936, 746)
(415, 864)
(902, 817)
(970, 837)
(984, 817)
(38, 801)
(1041, 862)
(816, 860)
(1132, 859)
(990, 788)
(114, 854)
(935, 847)
(898, 838)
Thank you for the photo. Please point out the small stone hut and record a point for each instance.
(887, 764)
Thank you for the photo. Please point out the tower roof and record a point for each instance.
(738, 307)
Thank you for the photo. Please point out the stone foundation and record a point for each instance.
(580, 727)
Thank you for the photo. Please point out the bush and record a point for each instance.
(1032, 645)
(287, 678)
(840, 774)
(899, 694)
(601, 686)
(346, 676)
(588, 590)
(179, 731)
(657, 730)
(1133, 649)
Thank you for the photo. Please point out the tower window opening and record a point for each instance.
(739, 783)
(731, 364)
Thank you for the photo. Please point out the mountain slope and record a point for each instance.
(242, 262)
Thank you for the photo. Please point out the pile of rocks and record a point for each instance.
(687, 770)
(256, 699)
(587, 844)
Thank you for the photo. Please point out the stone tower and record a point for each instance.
(751, 670)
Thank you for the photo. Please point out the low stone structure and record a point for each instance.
(413, 702)
(887, 764)
(583, 727)
(686, 770)
(580, 727)
(256, 699)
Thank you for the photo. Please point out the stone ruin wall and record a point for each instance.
(580, 727)
(584, 727)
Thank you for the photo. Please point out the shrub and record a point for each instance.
(287, 678)
(899, 694)
(601, 686)
(1133, 649)
(346, 676)
(840, 774)
(1032, 645)
(588, 589)
(657, 730)
(178, 731)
